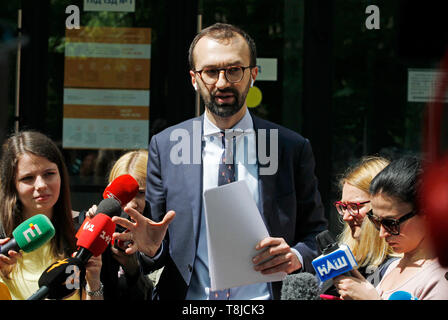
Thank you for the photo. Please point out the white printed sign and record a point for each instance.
(422, 85)
(267, 69)
(110, 5)
(106, 88)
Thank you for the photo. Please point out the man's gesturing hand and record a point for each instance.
(146, 235)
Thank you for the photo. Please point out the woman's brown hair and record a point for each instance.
(63, 243)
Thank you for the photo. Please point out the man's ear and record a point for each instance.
(253, 75)
(193, 80)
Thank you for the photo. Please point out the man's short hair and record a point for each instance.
(223, 31)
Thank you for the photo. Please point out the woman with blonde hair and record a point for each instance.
(371, 252)
(401, 220)
(121, 272)
(133, 163)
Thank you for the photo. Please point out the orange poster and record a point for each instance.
(106, 85)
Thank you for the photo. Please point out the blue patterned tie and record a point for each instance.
(226, 166)
(226, 174)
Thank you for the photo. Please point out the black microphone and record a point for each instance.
(59, 279)
(300, 286)
(110, 207)
(327, 244)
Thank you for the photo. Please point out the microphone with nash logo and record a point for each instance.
(335, 260)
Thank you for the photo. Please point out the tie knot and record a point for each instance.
(222, 134)
(228, 135)
(226, 166)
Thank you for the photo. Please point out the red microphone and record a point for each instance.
(94, 237)
(329, 297)
(123, 189)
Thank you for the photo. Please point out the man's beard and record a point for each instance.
(225, 110)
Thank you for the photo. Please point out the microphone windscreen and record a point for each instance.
(123, 188)
(96, 234)
(401, 295)
(110, 207)
(300, 286)
(34, 232)
(58, 277)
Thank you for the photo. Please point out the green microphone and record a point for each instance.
(30, 235)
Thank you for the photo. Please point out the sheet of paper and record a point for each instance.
(234, 227)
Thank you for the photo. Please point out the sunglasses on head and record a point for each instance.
(390, 225)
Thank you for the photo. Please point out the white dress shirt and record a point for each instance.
(245, 169)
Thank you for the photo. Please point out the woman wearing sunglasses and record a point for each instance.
(371, 252)
(401, 222)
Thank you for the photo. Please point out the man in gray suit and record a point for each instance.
(184, 160)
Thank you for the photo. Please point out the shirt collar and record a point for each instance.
(245, 125)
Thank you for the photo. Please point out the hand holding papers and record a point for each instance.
(234, 227)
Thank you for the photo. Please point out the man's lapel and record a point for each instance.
(193, 172)
(266, 183)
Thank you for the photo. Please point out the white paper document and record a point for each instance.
(234, 227)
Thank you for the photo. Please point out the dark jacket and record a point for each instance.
(290, 203)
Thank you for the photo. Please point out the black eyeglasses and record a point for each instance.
(391, 225)
(233, 74)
